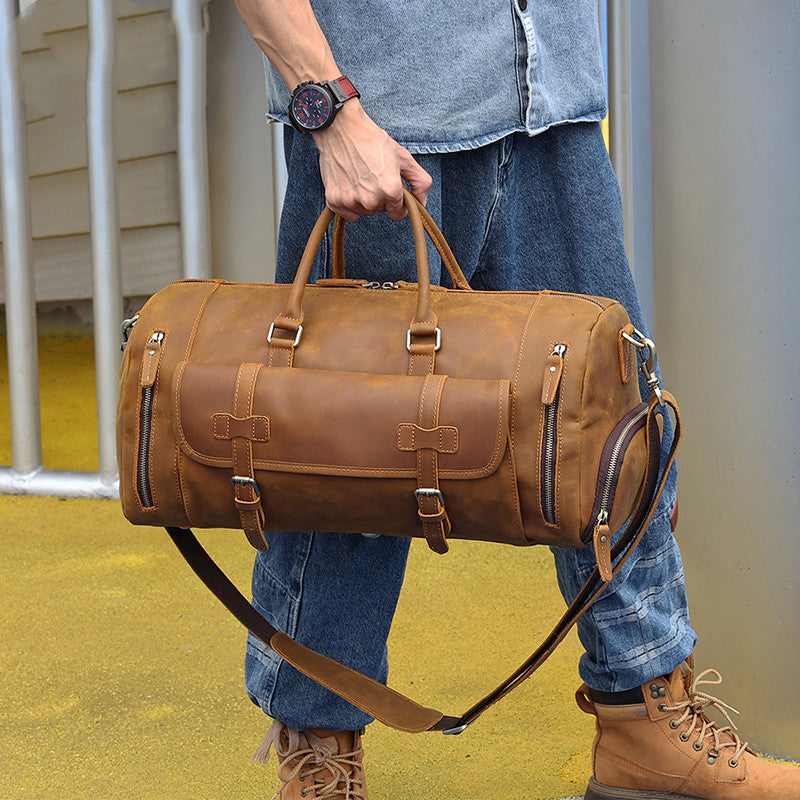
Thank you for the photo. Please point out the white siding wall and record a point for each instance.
(54, 42)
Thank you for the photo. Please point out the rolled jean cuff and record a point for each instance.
(639, 628)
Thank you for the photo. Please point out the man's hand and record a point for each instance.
(362, 167)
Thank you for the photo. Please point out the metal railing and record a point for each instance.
(26, 475)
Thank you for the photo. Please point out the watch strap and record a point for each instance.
(342, 89)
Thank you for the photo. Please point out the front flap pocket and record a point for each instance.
(341, 423)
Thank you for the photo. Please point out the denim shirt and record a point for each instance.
(441, 75)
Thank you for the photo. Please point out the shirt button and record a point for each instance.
(523, 5)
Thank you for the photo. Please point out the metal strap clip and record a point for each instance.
(459, 729)
(646, 349)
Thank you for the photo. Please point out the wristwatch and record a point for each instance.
(314, 105)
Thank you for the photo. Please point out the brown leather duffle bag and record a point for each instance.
(511, 417)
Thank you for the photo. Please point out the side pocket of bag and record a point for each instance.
(548, 463)
(149, 373)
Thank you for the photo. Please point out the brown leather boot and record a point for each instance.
(316, 764)
(666, 748)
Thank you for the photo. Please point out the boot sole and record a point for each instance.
(597, 791)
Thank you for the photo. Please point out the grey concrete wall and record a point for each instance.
(726, 210)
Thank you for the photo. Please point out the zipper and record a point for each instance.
(551, 395)
(379, 285)
(152, 358)
(611, 462)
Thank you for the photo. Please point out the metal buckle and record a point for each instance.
(435, 347)
(429, 493)
(296, 338)
(647, 358)
(243, 480)
(460, 728)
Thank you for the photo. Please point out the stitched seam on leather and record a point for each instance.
(514, 486)
(618, 761)
(176, 474)
(582, 418)
(196, 325)
(351, 698)
(154, 506)
(329, 469)
(515, 379)
(332, 469)
(443, 430)
(184, 494)
(560, 441)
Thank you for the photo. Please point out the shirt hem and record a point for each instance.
(459, 145)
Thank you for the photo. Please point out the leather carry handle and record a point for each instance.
(432, 229)
(424, 321)
(391, 707)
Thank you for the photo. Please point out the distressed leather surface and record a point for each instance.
(329, 448)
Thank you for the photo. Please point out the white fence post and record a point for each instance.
(23, 361)
(107, 275)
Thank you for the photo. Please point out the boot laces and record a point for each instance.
(693, 711)
(334, 776)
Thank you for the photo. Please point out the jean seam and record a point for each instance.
(293, 621)
(501, 165)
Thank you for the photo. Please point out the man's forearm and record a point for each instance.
(360, 164)
(288, 33)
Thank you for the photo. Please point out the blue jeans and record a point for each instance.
(526, 213)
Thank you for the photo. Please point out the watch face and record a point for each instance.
(312, 107)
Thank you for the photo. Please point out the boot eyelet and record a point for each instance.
(673, 724)
(685, 736)
(303, 792)
(697, 746)
(662, 706)
(733, 763)
(302, 778)
(711, 759)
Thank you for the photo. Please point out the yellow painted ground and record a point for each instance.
(122, 676)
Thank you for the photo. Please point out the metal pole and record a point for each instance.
(107, 277)
(23, 361)
(619, 119)
(192, 145)
(57, 482)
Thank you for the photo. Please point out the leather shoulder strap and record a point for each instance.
(389, 706)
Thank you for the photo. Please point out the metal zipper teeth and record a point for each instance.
(549, 448)
(145, 426)
(612, 463)
(620, 445)
(548, 461)
(145, 421)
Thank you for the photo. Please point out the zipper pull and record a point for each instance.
(553, 369)
(152, 357)
(602, 546)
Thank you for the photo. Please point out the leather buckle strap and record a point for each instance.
(430, 502)
(380, 701)
(246, 493)
(243, 480)
(422, 510)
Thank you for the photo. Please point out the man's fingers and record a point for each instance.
(418, 179)
(394, 205)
